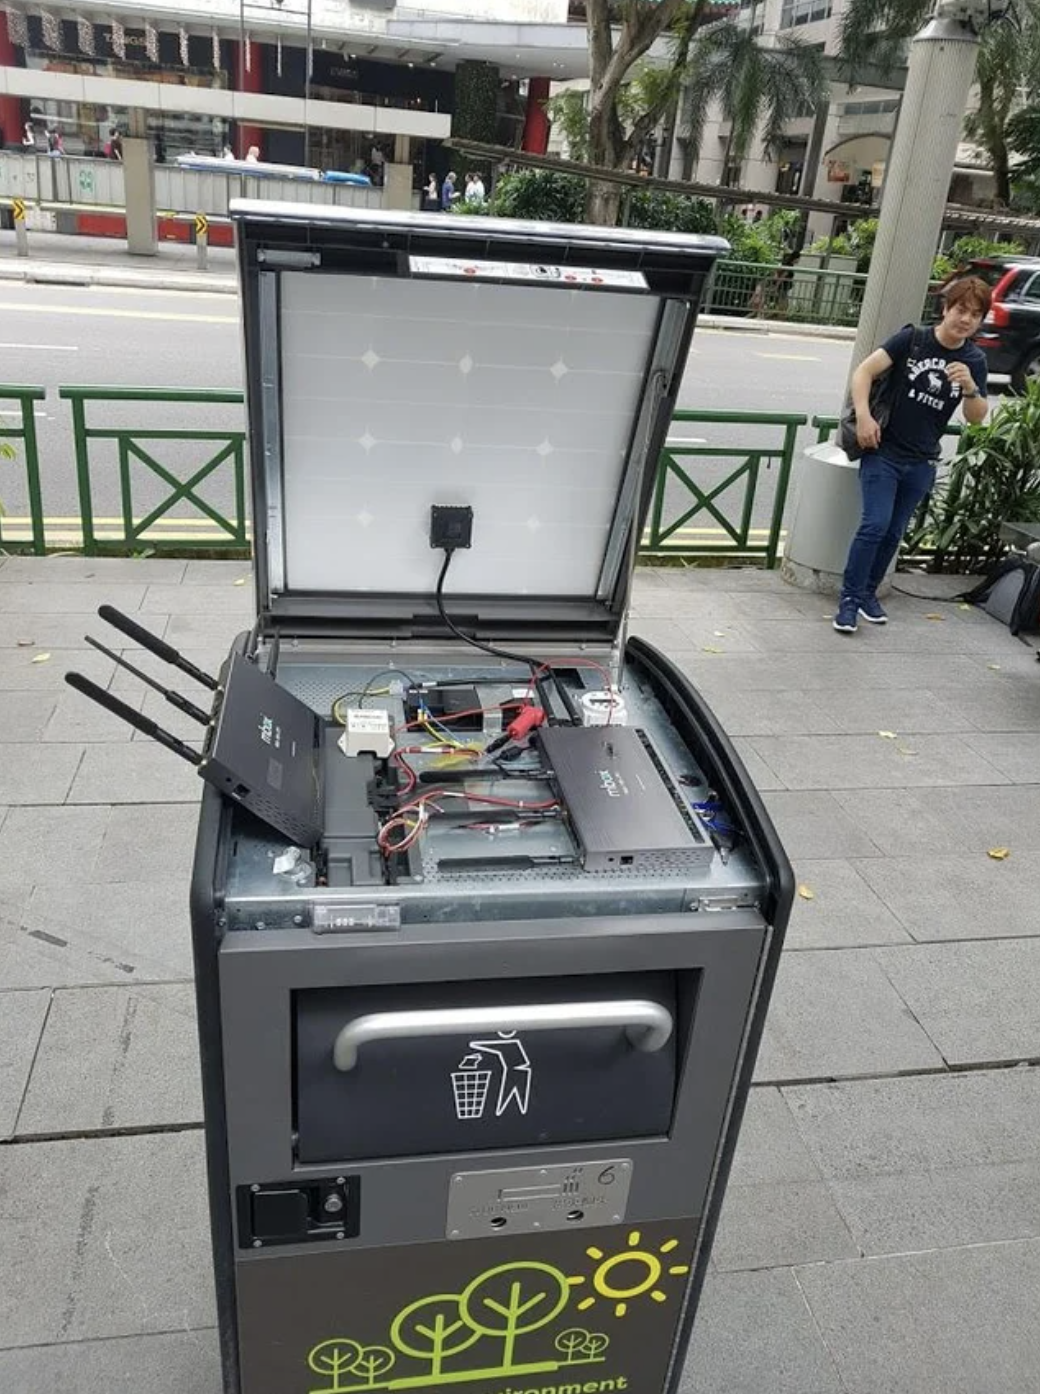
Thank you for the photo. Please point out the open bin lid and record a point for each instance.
(399, 360)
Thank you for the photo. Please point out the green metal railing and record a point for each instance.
(26, 435)
(806, 294)
(133, 458)
(825, 427)
(673, 535)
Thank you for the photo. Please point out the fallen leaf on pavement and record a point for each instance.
(888, 735)
(710, 648)
(994, 666)
(25, 643)
(241, 580)
(905, 750)
(999, 854)
(934, 616)
(806, 893)
(964, 607)
(40, 658)
(719, 633)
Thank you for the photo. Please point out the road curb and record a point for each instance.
(62, 274)
(794, 330)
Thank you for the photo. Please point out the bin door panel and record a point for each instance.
(514, 1071)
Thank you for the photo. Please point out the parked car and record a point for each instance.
(1010, 333)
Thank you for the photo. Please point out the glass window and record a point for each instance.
(797, 12)
(1032, 290)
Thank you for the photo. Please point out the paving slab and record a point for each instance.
(115, 1057)
(24, 715)
(978, 1002)
(772, 713)
(181, 1362)
(43, 670)
(22, 1015)
(840, 911)
(135, 772)
(761, 775)
(779, 1225)
(226, 599)
(921, 823)
(875, 761)
(31, 773)
(40, 632)
(52, 843)
(770, 1149)
(969, 896)
(836, 1015)
(814, 825)
(756, 1335)
(147, 842)
(895, 1127)
(70, 933)
(76, 718)
(108, 571)
(907, 711)
(961, 1321)
(201, 631)
(125, 1249)
(1015, 754)
(47, 597)
(1007, 704)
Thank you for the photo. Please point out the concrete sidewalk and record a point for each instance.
(58, 259)
(882, 1232)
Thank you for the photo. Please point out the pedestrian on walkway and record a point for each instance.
(934, 370)
(448, 194)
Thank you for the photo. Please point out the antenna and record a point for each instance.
(155, 645)
(133, 718)
(174, 698)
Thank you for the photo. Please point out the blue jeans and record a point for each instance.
(891, 492)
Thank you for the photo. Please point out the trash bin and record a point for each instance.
(474, 1058)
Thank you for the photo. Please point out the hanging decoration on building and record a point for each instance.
(17, 28)
(216, 50)
(151, 42)
(118, 39)
(182, 39)
(278, 54)
(51, 30)
(247, 49)
(85, 35)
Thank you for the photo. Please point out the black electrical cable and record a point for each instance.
(533, 663)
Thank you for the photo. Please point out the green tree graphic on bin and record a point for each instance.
(512, 1300)
(578, 1344)
(337, 1357)
(429, 1329)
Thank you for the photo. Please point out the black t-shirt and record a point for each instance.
(925, 398)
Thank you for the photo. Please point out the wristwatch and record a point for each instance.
(970, 396)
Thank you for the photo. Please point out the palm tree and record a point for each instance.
(876, 32)
(754, 85)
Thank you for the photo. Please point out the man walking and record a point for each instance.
(934, 370)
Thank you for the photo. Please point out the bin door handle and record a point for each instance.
(648, 1024)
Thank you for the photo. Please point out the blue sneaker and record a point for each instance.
(871, 610)
(846, 621)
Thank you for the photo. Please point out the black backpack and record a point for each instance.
(1011, 594)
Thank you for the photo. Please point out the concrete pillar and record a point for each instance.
(248, 78)
(397, 186)
(10, 107)
(139, 185)
(536, 122)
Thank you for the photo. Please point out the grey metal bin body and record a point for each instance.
(468, 1127)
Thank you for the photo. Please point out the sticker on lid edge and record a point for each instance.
(536, 272)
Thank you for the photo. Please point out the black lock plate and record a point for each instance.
(287, 1213)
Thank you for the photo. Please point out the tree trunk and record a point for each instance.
(1001, 172)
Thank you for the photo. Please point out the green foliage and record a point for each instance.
(540, 194)
(651, 208)
(476, 102)
(970, 248)
(756, 87)
(1023, 136)
(857, 241)
(995, 477)
(568, 111)
(764, 242)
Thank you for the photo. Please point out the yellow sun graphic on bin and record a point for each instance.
(631, 1273)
